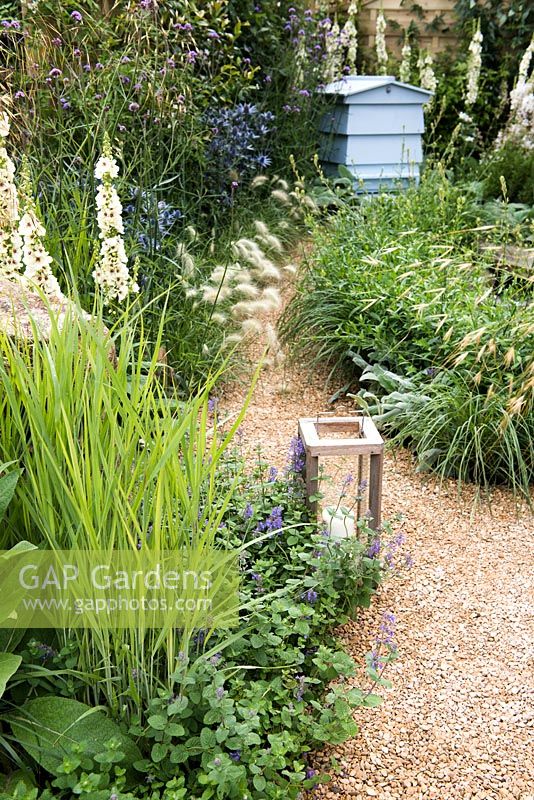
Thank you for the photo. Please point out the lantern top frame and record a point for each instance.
(362, 435)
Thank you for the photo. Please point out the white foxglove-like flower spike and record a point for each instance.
(405, 70)
(380, 43)
(111, 273)
(474, 65)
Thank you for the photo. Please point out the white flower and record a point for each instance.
(463, 117)
(106, 167)
(380, 43)
(29, 225)
(333, 62)
(427, 77)
(405, 70)
(524, 64)
(349, 38)
(111, 273)
(474, 65)
(4, 124)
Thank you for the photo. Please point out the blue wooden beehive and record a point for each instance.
(375, 129)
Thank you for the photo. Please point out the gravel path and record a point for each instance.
(458, 722)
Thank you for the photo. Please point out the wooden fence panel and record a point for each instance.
(400, 14)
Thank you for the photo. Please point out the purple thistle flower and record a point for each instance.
(76, 16)
(54, 73)
(133, 107)
(76, 52)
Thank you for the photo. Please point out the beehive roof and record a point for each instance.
(357, 84)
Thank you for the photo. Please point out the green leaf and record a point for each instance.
(8, 484)
(159, 751)
(158, 722)
(259, 782)
(372, 701)
(9, 664)
(48, 727)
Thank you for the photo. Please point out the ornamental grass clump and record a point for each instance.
(442, 350)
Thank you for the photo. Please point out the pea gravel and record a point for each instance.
(458, 722)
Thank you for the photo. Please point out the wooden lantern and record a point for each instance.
(344, 436)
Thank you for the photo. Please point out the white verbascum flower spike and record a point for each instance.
(35, 258)
(10, 241)
(111, 273)
(380, 43)
(405, 70)
(427, 77)
(474, 65)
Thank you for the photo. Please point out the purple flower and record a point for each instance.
(301, 685)
(76, 16)
(133, 107)
(212, 404)
(56, 41)
(263, 160)
(121, 128)
(99, 65)
(310, 773)
(77, 52)
(19, 95)
(297, 455)
(235, 755)
(310, 596)
(213, 34)
(234, 184)
(219, 693)
(273, 522)
(217, 762)
(249, 511)
(374, 548)
(214, 660)
(124, 79)
(65, 105)
(271, 476)
(54, 73)
(87, 67)
(125, 60)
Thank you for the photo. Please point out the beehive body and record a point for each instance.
(375, 130)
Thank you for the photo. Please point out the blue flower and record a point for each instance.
(310, 596)
(249, 511)
(235, 755)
